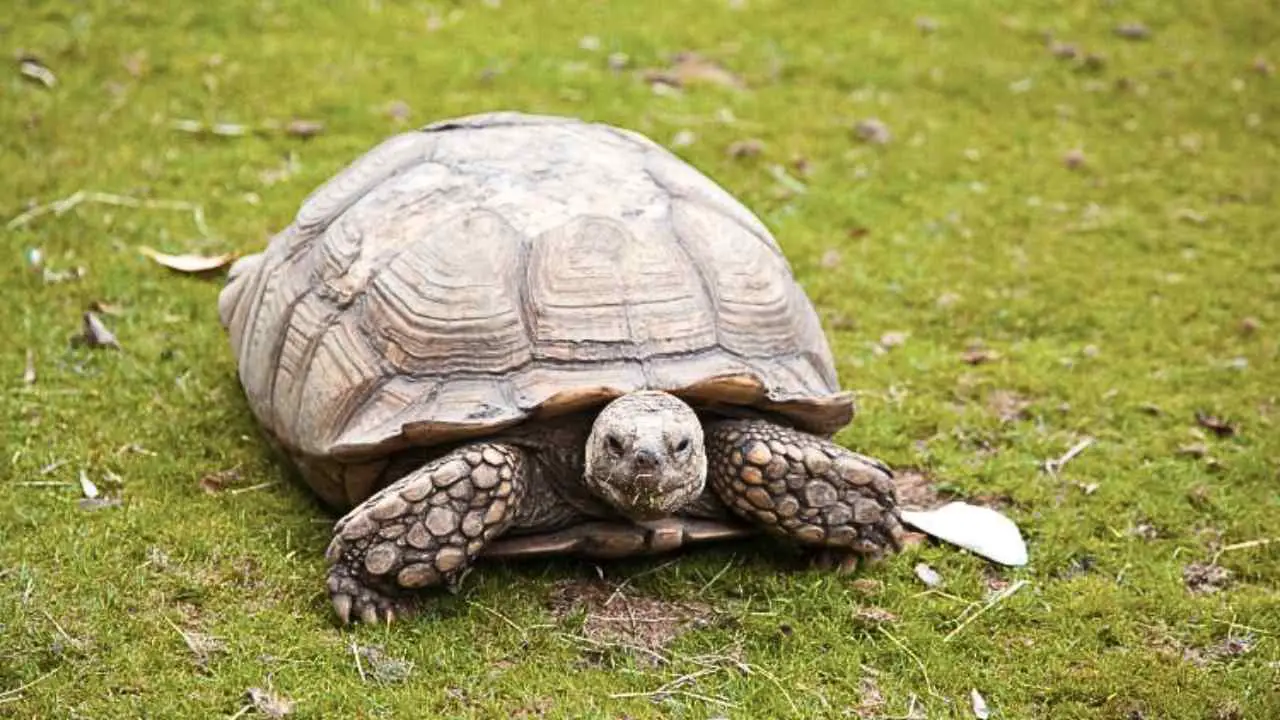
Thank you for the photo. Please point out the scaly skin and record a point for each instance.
(804, 488)
(423, 530)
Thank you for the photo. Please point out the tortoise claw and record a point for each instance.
(342, 606)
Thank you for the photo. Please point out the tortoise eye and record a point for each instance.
(682, 445)
(614, 444)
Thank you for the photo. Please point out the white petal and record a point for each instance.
(975, 528)
(979, 705)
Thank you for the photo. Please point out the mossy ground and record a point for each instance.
(1119, 297)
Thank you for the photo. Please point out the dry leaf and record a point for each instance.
(750, 147)
(1133, 31)
(36, 70)
(978, 356)
(690, 68)
(95, 334)
(304, 128)
(1008, 405)
(189, 263)
(215, 482)
(894, 339)
(1065, 51)
(873, 130)
(269, 703)
(1218, 426)
(874, 615)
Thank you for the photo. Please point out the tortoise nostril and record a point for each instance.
(646, 459)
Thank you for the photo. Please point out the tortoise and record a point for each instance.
(509, 334)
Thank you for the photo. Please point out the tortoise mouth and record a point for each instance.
(648, 496)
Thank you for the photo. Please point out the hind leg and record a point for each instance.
(805, 488)
(423, 530)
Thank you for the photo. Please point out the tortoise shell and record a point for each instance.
(479, 272)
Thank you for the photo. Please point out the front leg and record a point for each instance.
(805, 488)
(423, 530)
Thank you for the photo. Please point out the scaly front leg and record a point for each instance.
(805, 488)
(423, 530)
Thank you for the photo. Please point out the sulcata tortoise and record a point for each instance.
(507, 335)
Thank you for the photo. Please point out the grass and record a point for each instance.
(1118, 299)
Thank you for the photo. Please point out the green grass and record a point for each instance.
(1106, 289)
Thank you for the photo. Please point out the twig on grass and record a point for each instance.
(1246, 545)
(355, 651)
(251, 488)
(1055, 465)
(59, 207)
(15, 693)
(911, 654)
(718, 575)
(1004, 594)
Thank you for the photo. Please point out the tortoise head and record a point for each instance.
(645, 455)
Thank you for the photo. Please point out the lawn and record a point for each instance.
(1029, 227)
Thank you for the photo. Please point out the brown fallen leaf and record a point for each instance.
(893, 339)
(750, 147)
(978, 356)
(1008, 405)
(189, 263)
(269, 703)
(1063, 50)
(874, 616)
(304, 128)
(215, 482)
(690, 68)
(33, 69)
(873, 130)
(1218, 426)
(1133, 31)
(95, 334)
